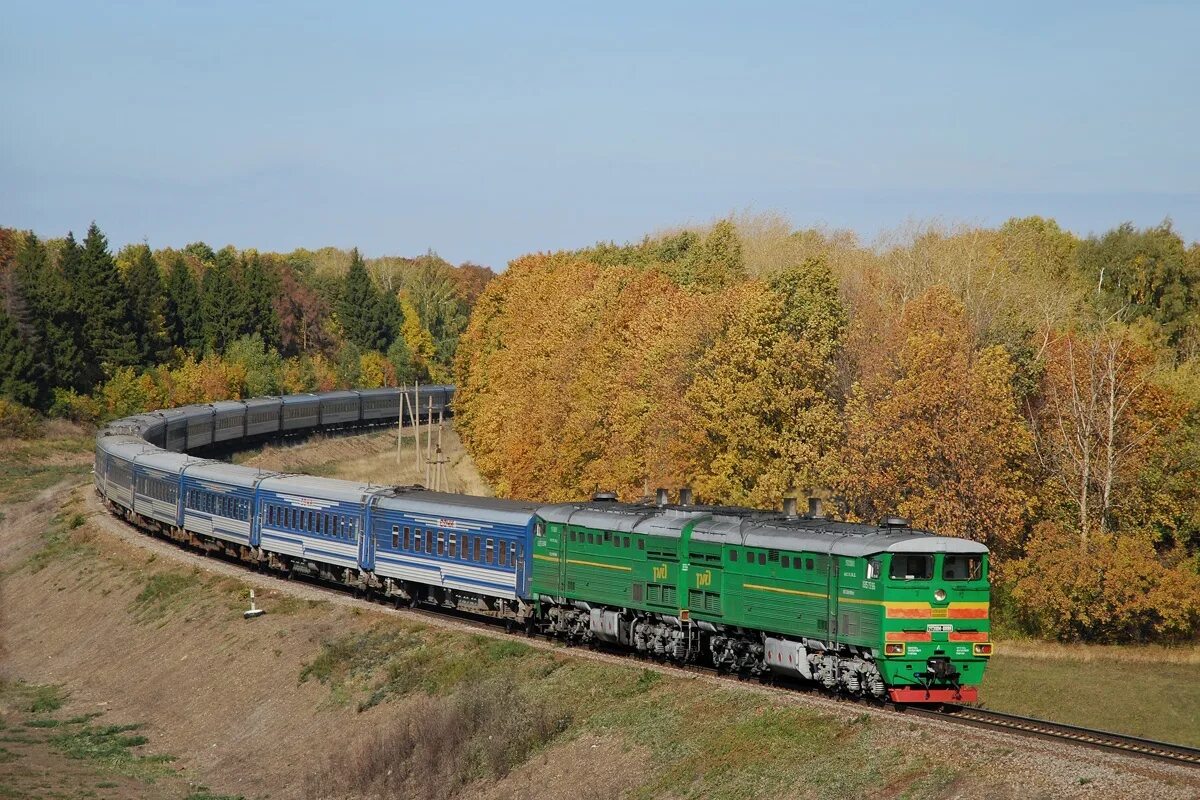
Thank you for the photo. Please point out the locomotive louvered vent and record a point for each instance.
(699, 600)
(773, 556)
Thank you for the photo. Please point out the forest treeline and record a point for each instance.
(1019, 386)
(89, 334)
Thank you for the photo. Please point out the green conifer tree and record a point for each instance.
(221, 307)
(147, 299)
(184, 321)
(54, 335)
(363, 316)
(103, 308)
(18, 380)
(259, 289)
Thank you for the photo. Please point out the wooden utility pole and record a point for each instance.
(399, 425)
(428, 441)
(415, 410)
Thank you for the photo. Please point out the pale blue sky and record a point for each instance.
(488, 130)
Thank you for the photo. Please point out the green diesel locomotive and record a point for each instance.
(878, 611)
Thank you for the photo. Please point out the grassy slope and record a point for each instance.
(1150, 692)
(675, 736)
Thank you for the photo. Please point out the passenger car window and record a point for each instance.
(962, 568)
(912, 568)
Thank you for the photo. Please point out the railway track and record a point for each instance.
(1044, 729)
(975, 717)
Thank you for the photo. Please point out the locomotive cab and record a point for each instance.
(936, 637)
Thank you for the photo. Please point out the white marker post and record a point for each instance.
(254, 611)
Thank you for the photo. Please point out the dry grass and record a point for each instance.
(371, 458)
(1187, 655)
(435, 746)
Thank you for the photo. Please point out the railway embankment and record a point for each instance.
(327, 696)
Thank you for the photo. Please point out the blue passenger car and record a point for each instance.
(114, 466)
(219, 501)
(156, 485)
(476, 545)
(316, 523)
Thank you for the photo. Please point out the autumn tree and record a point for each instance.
(761, 392)
(1110, 589)
(419, 341)
(1100, 418)
(936, 436)
(302, 314)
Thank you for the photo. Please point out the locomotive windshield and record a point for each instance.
(962, 568)
(911, 568)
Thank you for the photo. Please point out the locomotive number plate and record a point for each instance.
(939, 628)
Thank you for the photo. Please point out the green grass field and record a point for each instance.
(1148, 692)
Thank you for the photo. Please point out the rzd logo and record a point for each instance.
(660, 573)
(704, 578)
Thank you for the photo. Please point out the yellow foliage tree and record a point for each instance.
(760, 401)
(420, 341)
(375, 371)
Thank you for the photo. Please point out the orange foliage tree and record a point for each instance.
(1110, 589)
(935, 434)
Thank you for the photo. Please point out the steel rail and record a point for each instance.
(1061, 731)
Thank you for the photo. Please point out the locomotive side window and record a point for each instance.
(962, 568)
(626, 545)
(808, 563)
(874, 569)
(786, 562)
(407, 538)
(912, 568)
(762, 559)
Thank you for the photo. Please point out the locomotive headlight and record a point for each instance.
(982, 648)
(939, 595)
(894, 648)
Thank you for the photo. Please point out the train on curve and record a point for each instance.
(877, 611)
